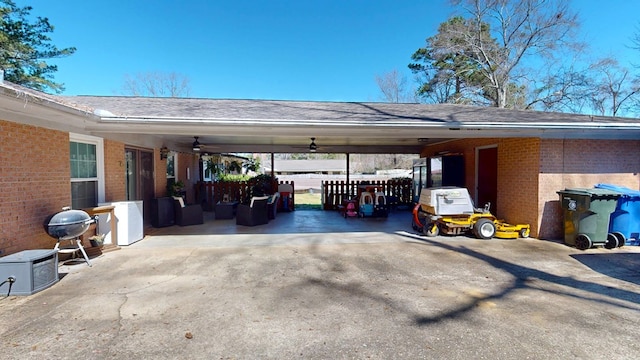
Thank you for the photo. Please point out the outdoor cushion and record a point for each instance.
(256, 198)
(180, 200)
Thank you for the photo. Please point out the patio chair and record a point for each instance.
(187, 214)
(272, 206)
(254, 213)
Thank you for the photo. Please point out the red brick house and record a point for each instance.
(56, 151)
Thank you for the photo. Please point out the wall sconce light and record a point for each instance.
(164, 153)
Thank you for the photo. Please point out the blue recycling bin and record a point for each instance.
(625, 220)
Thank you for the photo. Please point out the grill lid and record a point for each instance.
(68, 224)
(68, 217)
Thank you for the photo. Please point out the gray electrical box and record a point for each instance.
(33, 270)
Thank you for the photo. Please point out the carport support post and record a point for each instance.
(348, 194)
(273, 173)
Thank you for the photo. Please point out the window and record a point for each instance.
(87, 186)
(171, 169)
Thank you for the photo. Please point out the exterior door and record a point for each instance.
(487, 178)
(139, 178)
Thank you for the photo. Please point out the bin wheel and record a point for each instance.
(621, 238)
(612, 242)
(583, 242)
(431, 229)
(484, 229)
(524, 233)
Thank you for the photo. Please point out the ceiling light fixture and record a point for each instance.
(313, 147)
(196, 144)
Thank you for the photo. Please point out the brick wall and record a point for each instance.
(188, 161)
(114, 171)
(518, 164)
(160, 171)
(581, 164)
(35, 181)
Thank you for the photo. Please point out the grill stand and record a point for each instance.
(72, 248)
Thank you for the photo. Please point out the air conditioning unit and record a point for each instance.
(28, 272)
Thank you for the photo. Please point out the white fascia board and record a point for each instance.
(383, 124)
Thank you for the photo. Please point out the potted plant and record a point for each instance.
(97, 240)
(235, 167)
(176, 189)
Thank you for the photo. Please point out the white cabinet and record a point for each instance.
(129, 222)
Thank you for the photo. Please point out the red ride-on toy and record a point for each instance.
(349, 209)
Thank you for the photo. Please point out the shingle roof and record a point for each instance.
(301, 111)
(228, 125)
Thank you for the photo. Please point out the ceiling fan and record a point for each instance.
(313, 147)
(199, 147)
(196, 146)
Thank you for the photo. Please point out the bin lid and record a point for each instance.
(590, 192)
(625, 191)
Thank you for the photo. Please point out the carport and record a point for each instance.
(527, 142)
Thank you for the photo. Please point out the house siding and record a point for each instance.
(28, 172)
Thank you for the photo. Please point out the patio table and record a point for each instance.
(226, 210)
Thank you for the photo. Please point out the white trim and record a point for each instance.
(477, 156)
(99, 143)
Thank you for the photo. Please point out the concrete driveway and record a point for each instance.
(307, 289)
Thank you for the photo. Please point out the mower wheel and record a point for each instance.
(524, 233)
(484, 229)
(431, 229)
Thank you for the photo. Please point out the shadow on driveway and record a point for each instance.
(625, 267)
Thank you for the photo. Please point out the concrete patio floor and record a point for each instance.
(313, 285)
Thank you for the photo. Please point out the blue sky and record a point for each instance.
(325, 50)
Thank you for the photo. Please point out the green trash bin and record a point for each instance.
(586, 216)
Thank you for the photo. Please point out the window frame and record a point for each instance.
(99, 144)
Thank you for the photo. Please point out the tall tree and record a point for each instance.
(24, 47)
(157, 84)
(500, 37)
(449, 75)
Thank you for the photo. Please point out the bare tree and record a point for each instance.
(157, 84)
(614, 88)
(394, 89)
(519, 30)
